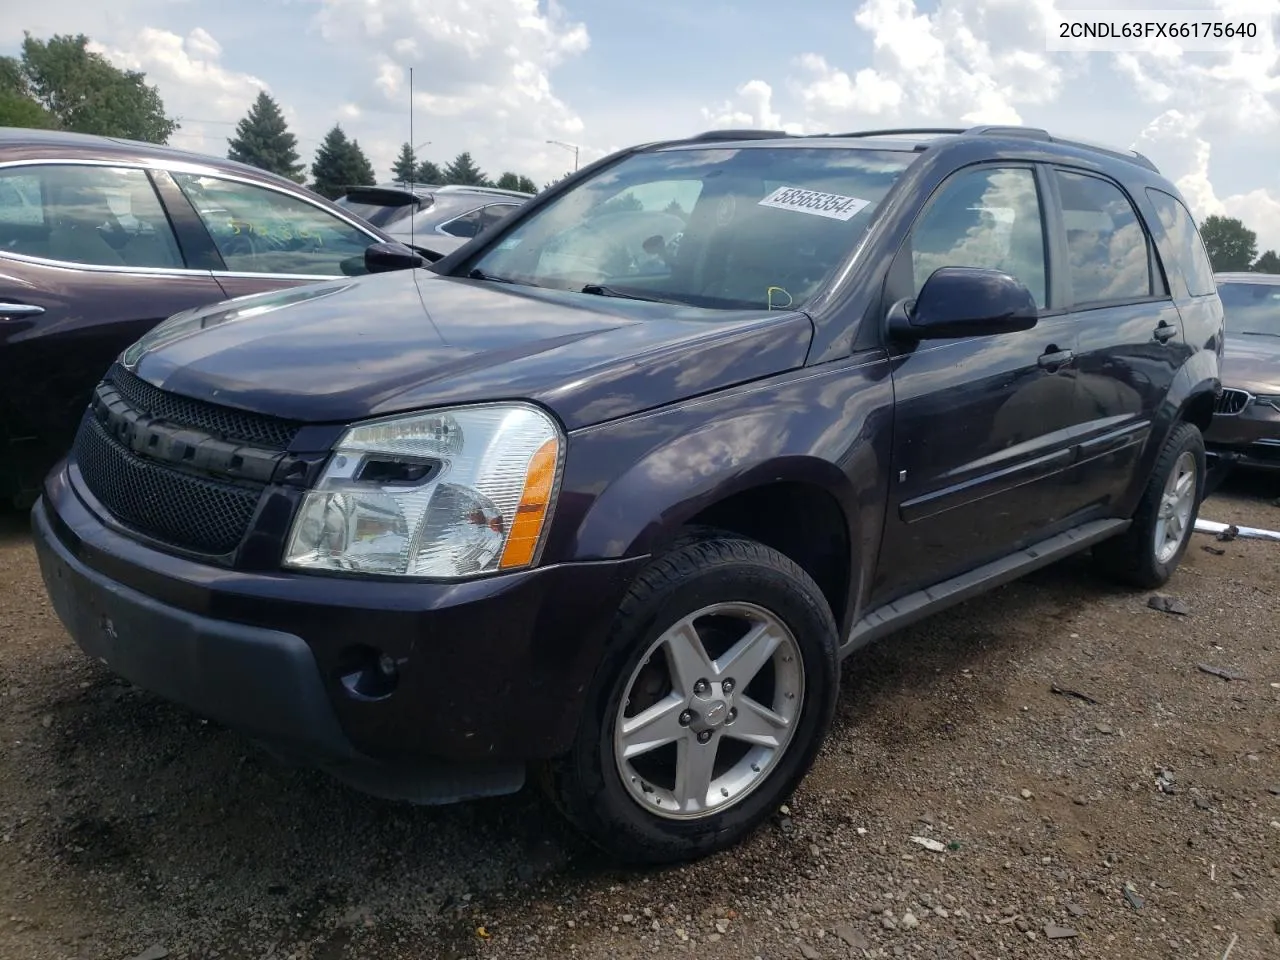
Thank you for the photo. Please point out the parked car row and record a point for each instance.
(442, 218)
(604, 496)
(101, 239)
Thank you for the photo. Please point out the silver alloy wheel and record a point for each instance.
(696, 732)
(1173, 519)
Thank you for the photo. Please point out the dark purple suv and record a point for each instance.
(101, 239)
(607, 494)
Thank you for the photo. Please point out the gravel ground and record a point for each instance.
(1141, 822)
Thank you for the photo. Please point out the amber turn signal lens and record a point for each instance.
(526, 526)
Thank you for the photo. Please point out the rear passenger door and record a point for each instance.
(1129, 333)
(984, 427)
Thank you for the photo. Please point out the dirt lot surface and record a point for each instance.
(1141, 822)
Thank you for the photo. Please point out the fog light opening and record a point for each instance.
(368, 673)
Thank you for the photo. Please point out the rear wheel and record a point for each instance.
(1147, 554)
(713, 699)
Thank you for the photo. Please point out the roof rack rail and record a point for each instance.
(749, 134)
(1035, 133)
(469, 188)
(897, 132)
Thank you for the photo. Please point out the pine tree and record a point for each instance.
(406, 165)
(263, 140)
(428, 172)
(339, 163)
(526, 185)
(463, 170)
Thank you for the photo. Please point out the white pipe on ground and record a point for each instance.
(1251, 533)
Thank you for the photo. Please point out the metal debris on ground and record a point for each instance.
(1131, 894)
(1222, 672)
(1054, 932)
(1216, 551)
(1068, 692)
(1230, 531)
(1168, 605)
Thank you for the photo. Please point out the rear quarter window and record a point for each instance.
(1188, 251)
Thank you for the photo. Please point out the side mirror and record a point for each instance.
(385, 257)
(964, 302)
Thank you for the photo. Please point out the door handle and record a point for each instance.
(20, 310)
(1052, 359)
(1165, 332)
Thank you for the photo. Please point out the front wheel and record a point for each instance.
(714, 696)
(1147, 554)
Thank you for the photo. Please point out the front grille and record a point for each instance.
(1231, 402)
(223, 421)
(171, 506)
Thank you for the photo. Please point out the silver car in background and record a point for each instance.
(439, 218)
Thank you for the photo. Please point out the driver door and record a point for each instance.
(984, 427)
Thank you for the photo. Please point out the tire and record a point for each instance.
(741, 580)
(1133, 558)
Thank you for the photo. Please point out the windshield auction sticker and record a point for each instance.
(819, 204)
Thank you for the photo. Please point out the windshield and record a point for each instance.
(1251, 308)
(758, 227)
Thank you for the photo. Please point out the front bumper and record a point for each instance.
(490, 673)
(1250, 438)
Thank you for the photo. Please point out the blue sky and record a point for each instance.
(501, 77)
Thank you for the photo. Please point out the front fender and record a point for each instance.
(631, 485)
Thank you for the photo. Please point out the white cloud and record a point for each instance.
(1174, 143)
(206, 96)
(482, 74)
(961, 62)
(753, 107)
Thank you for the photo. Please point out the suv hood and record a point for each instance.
(348, 349)
(1252, 363)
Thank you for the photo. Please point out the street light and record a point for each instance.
(568, 146)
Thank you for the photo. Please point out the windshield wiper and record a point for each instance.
(478, 274)
(600, 290)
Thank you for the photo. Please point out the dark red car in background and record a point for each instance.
(101, 239)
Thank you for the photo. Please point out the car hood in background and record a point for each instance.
(1252, 363)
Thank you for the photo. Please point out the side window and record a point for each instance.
(258, 230)
(103, 216)
(987, 217)
(495, 212)
(1188, 247)
(1108, 258)
(467, 225)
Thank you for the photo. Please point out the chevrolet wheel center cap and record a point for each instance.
(716, 712)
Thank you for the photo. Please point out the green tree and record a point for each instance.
(512, 181)
(551, 183)
(463, 170)
(18, 108)
(428, 172)
(84, 92)
(1267, 263)
(1231, 245)
(340, 163)
(406, 166)
(263, 140)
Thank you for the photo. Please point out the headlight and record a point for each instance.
(445, 494)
